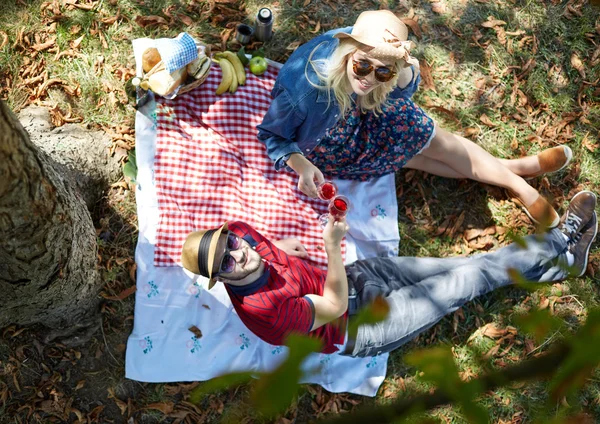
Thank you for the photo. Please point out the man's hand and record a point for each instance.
(307, 174)
(292, 247)
(334, 232)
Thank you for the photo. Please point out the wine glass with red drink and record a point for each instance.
(327, 190)
(338, 208)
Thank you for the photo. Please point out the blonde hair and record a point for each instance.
(333, 77)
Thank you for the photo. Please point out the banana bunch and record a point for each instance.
(233, 72)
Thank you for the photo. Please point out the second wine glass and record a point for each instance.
(338, 208)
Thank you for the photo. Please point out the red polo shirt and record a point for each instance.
(275, 305)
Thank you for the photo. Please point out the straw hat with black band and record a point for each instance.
(383, 33)
(199, 250)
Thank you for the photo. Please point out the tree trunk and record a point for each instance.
(48, 245)
(78, 154)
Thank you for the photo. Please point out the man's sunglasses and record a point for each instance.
(362, 68)
(228, 261)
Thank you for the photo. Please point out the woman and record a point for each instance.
(341, 105)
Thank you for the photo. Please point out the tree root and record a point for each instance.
(76, 335)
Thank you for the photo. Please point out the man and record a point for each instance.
(275, 292)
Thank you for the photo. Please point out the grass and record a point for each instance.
(470, 79)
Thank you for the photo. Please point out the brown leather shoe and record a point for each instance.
(552, 160)
(540, 212)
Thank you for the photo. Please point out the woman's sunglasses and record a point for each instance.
(228, 261)
(362, 68)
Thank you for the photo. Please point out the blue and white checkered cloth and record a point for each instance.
(177, 52)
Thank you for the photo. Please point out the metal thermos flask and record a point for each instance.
(264, 24)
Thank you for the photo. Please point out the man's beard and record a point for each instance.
(247, 273)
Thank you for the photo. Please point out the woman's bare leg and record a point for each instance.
(432, 166)
(527, 165)
(467, 158)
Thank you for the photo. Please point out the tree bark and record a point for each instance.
(79, 154)
(48, 245)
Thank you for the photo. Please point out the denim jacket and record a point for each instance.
(300, 113)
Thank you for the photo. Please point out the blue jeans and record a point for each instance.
(421, 291)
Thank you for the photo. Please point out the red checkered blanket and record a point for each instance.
(210, 167)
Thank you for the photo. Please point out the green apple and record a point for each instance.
(258, 65)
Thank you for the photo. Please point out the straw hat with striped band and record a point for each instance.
(199, 250)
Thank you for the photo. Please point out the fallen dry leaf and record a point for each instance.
(196, 331)
(414, 26)
(293, 45)
(468, 132)
(482, 243)
(124, 294)
(69, 53)
(122, 405)
(493, 351)
(486, 120)
(76, 43)
(501, 35)
(164, 407)
(457, 225)
(578, 65)
(185, 19)
(490, 330)
(491, 22)
(110, 20)
(428, 83)
(472, 233)
(589, 144)
(4, 39)
(225, 34)
(317, 28)
(152, 20)
(46, 45)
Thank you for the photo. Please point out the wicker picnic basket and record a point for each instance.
(190, 82)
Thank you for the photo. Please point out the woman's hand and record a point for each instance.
(334, 232)
(307, 174)
(292, 247)
(406, 76)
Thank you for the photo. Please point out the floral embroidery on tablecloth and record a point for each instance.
(146, 344)
(324, 359)
(194, 344)
(378, 212)
(151, 289)
(154, 120)
(243, 341)
(194, 289)
(372, 362)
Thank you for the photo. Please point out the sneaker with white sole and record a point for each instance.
(580, 246)
(578, 214)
